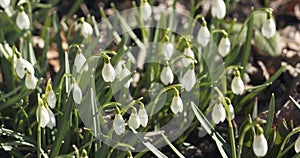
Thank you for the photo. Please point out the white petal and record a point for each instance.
(119, 68)
(119, 124)
(23, 21)
(52, 121)
(224, 47)
(28, 66)
(166, 75)
(269, 28)
(218, 113)
(188, 52)
(143, 117)
(237, 85)
(79, 62)
(4, 3)
(30, 81)
(146, 11)
(260, 145)
(189, 80)
(108, 72)
(86, 29)
(203, 36)
(134, 120)
(20, 69)
(231, 110)
(177, 105)
(297, 145)
(45, 118)
(218, 9)
(77, 94)
(167, 50)
(124, 73)
(51, 99)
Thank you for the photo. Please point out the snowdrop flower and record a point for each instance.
(79, 62)
(50, 95)
(177, 104)
(143, 116)
(22, 65)
(268, 28)
(30, 81)
(224, 46)
(4, 3)
(203, 35)
(166, 75)
(124, 73)
(119, 68)
(134, 120)
(218, 9)
(86, 29)
(189, 79)
(297, 145)
(260, 145)
(231, 111)
(52, 121)
(188, 52)
(218, 113)
(77, 94)
(167, 50)
(146, 11)
(119, 123)
(22, 20)
(108, 72)
(237, 84)
(42, 116)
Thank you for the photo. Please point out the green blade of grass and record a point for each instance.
(172, 147)
(269, 124)
(295, 102)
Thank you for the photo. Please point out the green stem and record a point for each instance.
(172, 146)
(231, 132)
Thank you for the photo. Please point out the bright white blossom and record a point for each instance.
(297, 145)
(118, 68)
(188, 52)
(22, 65)
(268, 28)
(51, 98)
(177, 104)
(166, 75)
(218, 9)
(231, 111)
(237, 85)
(189, 80)
(146, 11)
(224, 46)
(44, 117)
(23, 21)
(79, 62)
(203, 36)
(108, 72)
(52, 121)
(119, 124)
(124, 73)
(77, 94)
(134, 120)
(218, 113)
(4, 3)
(86, 29)
(143, 116)
(30, 81)
(260, 145)
(167, 50)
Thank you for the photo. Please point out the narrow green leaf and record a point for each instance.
(295, 102)
(269, 124)
(172, 147)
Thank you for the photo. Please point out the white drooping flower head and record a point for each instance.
(224, 46)
(79, 62)
(237, 84)
(143, 116)
(119, 67)
(260, 144)
(203, 36)
(218, 113)
(77, 94)
(231, 111)
(4, 3)
(86, 29)
(189, 79)
(52, 121)
(177, 104)
(22, 65)
(134, 120)
(108, 72)
(119, 123)
(268, 28)
(188, 61)
(167, 50)
(22, 20)
(146, 11)
(124, 73)
(166, 75)
(50, 95)
(30, 81)
(297, 145)
(42, 116)
(218, 9)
